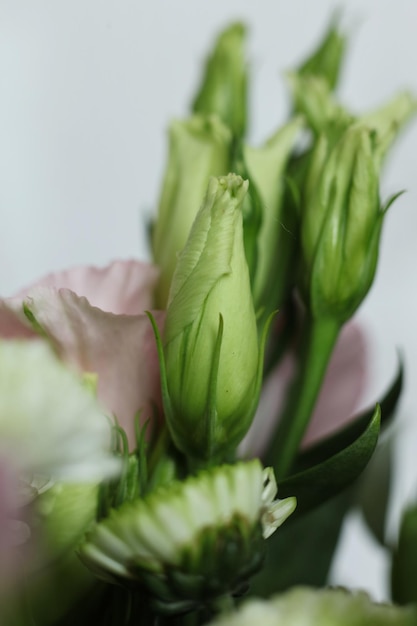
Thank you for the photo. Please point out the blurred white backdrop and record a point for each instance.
(87, 90)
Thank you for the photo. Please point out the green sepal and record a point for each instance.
(30, 316)
(210, 416)
(133, 480)
(320, 482)
(161, 358)
(280, 340)
(391, 200)
(251, 212)
(242, 554)
(261, 358)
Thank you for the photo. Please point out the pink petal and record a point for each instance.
(13, 324)
(121, 349)
(123, 287)
(269, 408)
(343, 385)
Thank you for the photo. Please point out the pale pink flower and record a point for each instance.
(95, 320)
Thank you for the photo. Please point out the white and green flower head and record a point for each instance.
(199, 147)
(192, 541)
(55, 441)
(211, 365)
(50, 422)
(302, 606)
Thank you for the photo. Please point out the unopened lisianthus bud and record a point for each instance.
(314, 99)
(326, 60)
(224, 86)
(275, 240)
(212, 356)
(198, 148)
(341, 224)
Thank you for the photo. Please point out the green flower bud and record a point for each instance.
(198, 148)
(212, 359)
(314, 99)
(192, 541)
(313, 607)
(265, 167)
(224, 87)
(404, 564)
(326, 61)
(341, 225)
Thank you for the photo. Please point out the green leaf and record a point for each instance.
(324, 480)
(301, 553)
(374, 490)
(404, 564)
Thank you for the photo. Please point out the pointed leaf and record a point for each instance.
(302, 552)
(320, 482)
(374, 490)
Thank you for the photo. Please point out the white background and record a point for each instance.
(87, 89)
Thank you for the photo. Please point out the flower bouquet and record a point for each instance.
(178, 439)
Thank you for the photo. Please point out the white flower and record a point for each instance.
(302, 606)
(50, 424)
(164, 539)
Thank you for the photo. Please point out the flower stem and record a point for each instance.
(317, 342)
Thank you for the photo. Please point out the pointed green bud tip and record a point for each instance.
(198, 149)
(327, 59)
(388, 120)
(211, 355)
(313, 607)
(194, 540)
(341, 224)
(224, 86)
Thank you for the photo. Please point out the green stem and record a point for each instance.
(316, 348)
